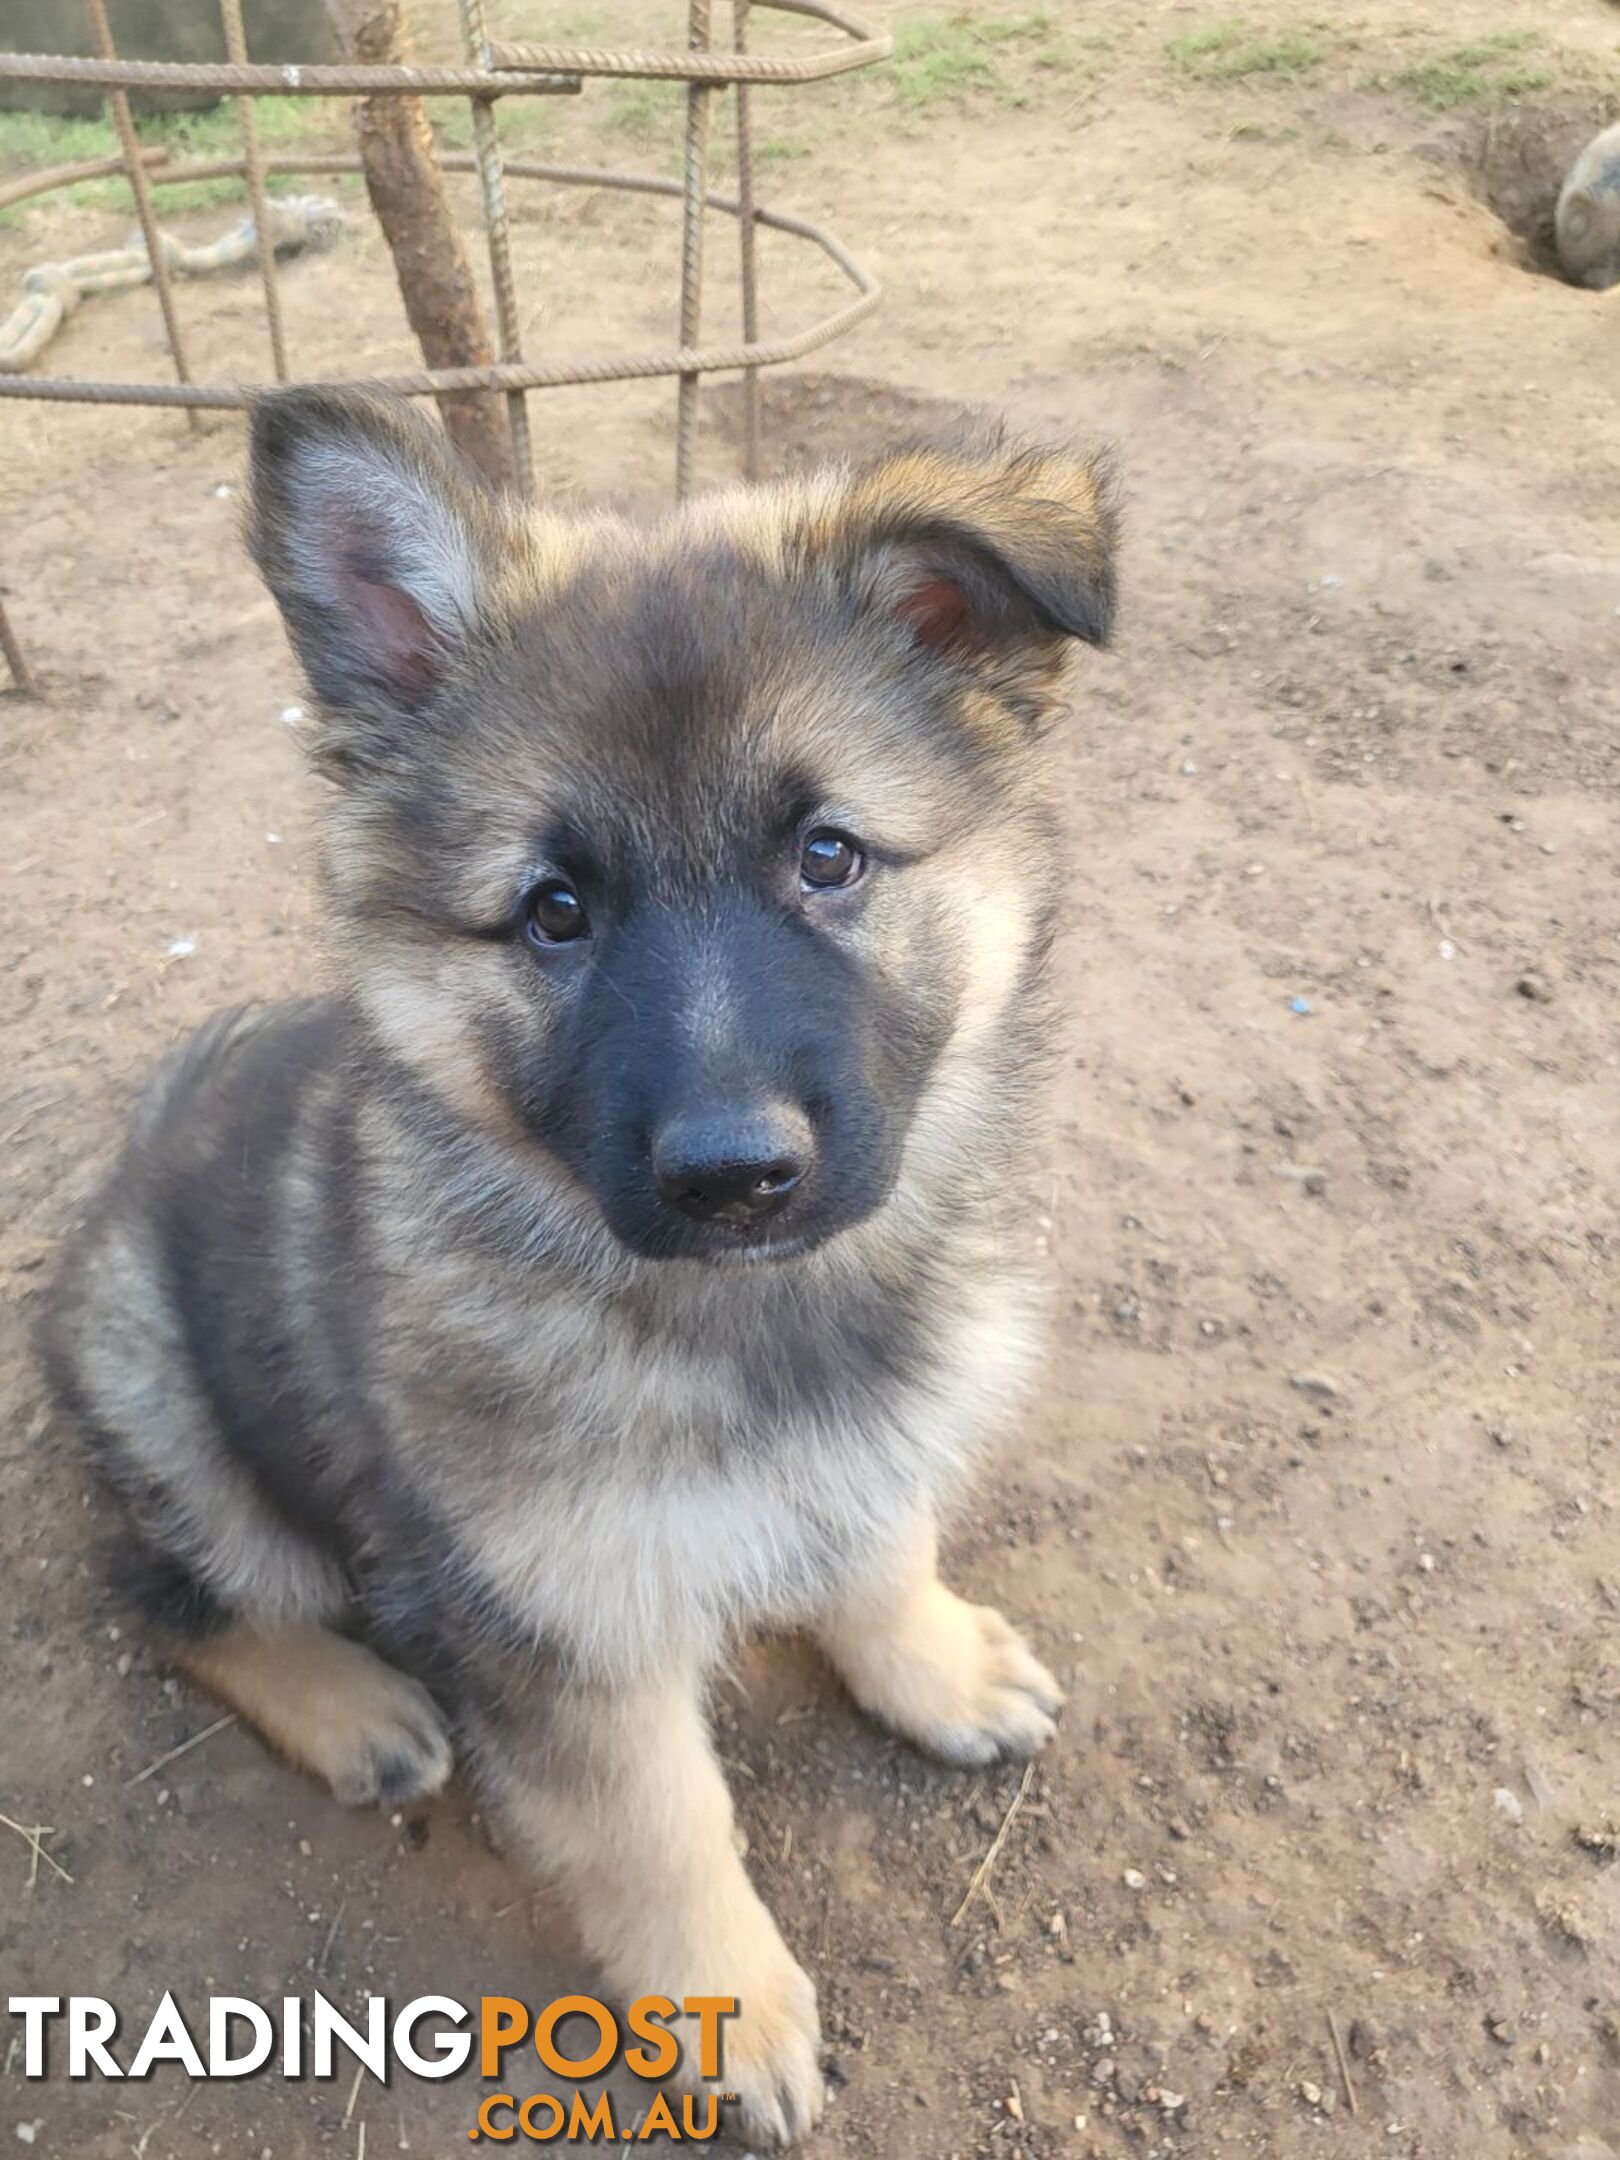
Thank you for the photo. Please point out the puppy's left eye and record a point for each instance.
(555, 914)
(829, 859)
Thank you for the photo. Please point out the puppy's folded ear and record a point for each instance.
(987, 552)
(380, 547)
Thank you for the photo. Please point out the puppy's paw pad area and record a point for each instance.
(772, 2059)
(1009, 1701)
(333, 1707)
(964, 1686)
(380, 1740)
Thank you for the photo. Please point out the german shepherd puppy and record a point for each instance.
(631, 1248)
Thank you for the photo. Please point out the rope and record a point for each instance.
(53, 291)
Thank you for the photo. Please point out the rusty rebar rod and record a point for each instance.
(287, 81)
(49, 177)
(236, 50)
(491, 183)
(496, 71)
(135, 172)
(747, 237)
(694, 195)
(863, 47)
(629, 367)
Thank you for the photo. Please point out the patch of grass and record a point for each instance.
(1227, 51)
(30, 141)
(1039, 23)
(528, 125)
(650, 112)
(1257, 131)
(1485, 69)
(939, 62)
(647, 111)
(541, 22)
(956, 58)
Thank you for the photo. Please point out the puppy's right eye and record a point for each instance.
(555, 914)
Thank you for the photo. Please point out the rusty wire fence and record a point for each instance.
(494, 70)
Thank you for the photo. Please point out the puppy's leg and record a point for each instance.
(955, 1678)
(331, 1705)
(619, 1794)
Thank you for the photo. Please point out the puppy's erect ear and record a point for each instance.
(988, 552)
(379, 545)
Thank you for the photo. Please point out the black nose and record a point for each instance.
(721, 1167)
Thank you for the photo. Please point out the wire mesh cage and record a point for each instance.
(493, 70)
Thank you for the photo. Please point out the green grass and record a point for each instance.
(1228, 51)
(30, 141)
(648, 112)
(285, 123)
(1257, 131)
(542, 22)
(528, 125)
(960, 58)
(940, 63)
(1486, 69)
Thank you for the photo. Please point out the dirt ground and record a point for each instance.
(1316, 1505)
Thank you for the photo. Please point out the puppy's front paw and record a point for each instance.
(957, 1679)
(771, 2059)
(373, 1734)
(391, 1745)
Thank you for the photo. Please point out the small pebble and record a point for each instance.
(1536, 988)
(1318, 1384)
(1134, 1879)
(1540, 1791)
(1507, 1806)
(1309, 2093)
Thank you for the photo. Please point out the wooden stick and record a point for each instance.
(1344, 2065)
(981, 1874)
(33, 1837)
(184, 1748)
(407, 191)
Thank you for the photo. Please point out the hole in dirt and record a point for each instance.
(807, 419)
(1516, 162)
